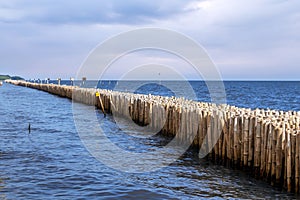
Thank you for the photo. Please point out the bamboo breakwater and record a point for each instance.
(265, 143)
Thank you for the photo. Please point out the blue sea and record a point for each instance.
(274, 95)
(51, 161)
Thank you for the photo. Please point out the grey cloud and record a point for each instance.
(90, 12)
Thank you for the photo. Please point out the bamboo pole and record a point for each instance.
(183, 125)
(236, 140)
(246, 141)
(101, 103)
(215, 134)
(204, 132)
(231, 139)
(251, 141)
(195, 124)
(269, 150)
(200, 128)
(293, 153)
(241, 138)
(209, 133)
(289, 162)
(263, 148)
(221, 134)
(224, 126)
(297, 166)
(273, 167)
(257, 144)
(188, 126)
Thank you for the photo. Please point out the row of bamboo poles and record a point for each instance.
(266, 143)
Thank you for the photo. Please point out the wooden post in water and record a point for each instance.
(101, 103)
(83, 81)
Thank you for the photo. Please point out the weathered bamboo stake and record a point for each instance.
(279, 155)
(236, 140)
(169, 118)
(114, 100)
(221, 133)
(146, 113)
(214, 134)
(109, 100)
(195, 121)
(251, 141)
(191, 132)
(209, 133)
(269, 150)
(231, 140)
(257, 144)
(273, 167)
(131, 106)
(241, 138)
(205, 132)
(200, 128)
(195, 126)
(289, 162)
(185, 126)
(263, 148)
(189, 126)
(246, 140)
(125, 107)
(293, 153)
(158, 118)
(120, 106)
(297, 166)
(162, 117)
(140, 112)
(154, 117)
(176, 119)
(136, 110)
(104, 101)
(102, 106)
(284, 149)
(224, 126)
(179, 122)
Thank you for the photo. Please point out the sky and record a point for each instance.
(247, 40)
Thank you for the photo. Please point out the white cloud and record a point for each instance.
(244, 35)
(89, 12)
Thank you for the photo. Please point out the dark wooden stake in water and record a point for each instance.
(29, 128)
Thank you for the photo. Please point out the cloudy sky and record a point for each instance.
(257, 39)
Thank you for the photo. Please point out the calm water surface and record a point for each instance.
(52, 163)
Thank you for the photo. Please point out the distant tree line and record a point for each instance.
(4, 77)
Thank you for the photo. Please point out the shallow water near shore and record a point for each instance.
(52, 163)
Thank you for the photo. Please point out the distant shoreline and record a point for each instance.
(5, 77)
